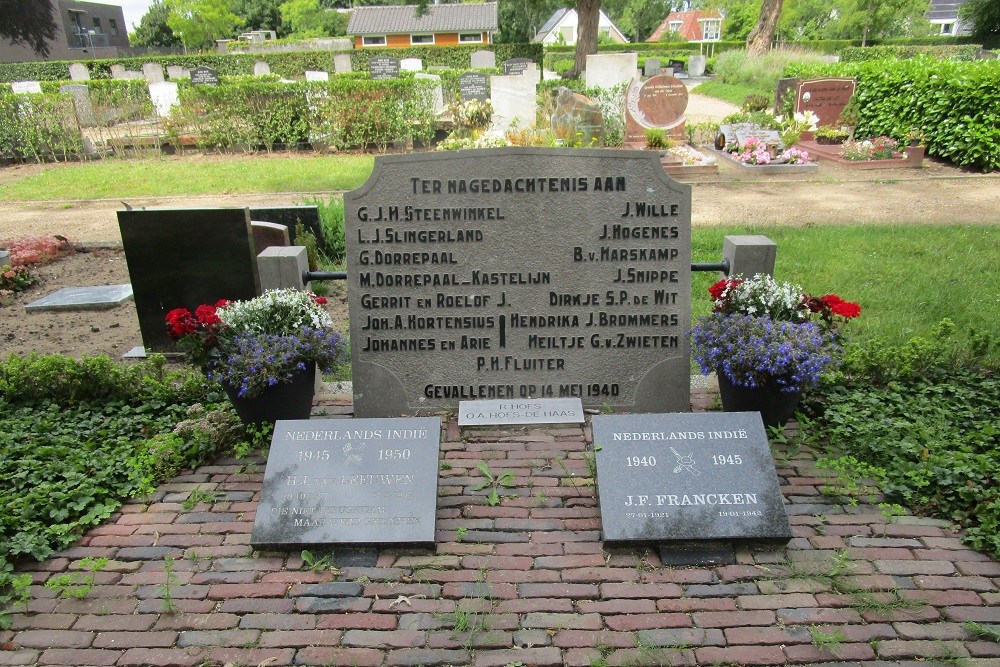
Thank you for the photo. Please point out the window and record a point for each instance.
(711, 30)
(947, 28)
(421, 39)
(603, 33)
(470, 38)
(675, 26)
(374, 40)
(113, 26)
(97, 24)
(568, 33)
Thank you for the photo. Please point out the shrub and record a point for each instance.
(40, 127)
(734, 67)
(36, 250)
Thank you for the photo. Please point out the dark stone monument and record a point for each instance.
(204, 76)
(519, 273)
(577, 117)
(535, 411)
(350, 481)
(290, 216)
(824, 97)
(516, 65)
(688, 476)
(784, 88)
(657, 102)
(267, 235)
(473, 86)
(383, 68)
(184, 258)
(676, 65)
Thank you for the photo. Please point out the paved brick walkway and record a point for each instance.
(525, 583)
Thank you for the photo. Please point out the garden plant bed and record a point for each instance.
(770, 168)
(831, 152)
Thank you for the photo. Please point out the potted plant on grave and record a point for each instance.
(879, 148)
(264, 351)
(768, 341)
(830, 135)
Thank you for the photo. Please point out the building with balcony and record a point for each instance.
(83, 30)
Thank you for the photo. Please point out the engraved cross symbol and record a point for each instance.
(352, 453)
(685, 463)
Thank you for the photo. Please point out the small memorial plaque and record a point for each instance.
(767, 136)
(204, 76)
(383, 68)
(472, 86)
(516, 65)
(350, 481)
(684, 476)
(537, 411)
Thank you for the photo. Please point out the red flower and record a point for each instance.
(222, 303)
(180, 322)
(206, 315)
(320, 300)
(718, 288)
(847, 309)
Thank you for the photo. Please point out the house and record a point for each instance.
(943, 15)
(562, 28)
(442, 25)
(83, 30)
(696, 25)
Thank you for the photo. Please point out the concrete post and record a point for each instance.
(749, 255)
(4, 257)
(281, 267)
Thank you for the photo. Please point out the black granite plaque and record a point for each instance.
(182, 258)
(350, 481)
(516, 65)
(290, 216)
(519, 273)
(204, 76)
(684, 476)
(383, 68)
(473, 86)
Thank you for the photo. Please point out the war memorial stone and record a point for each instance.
(534, 411)
(519, 273)
(687, 476)
(383, 68)
(350, 481)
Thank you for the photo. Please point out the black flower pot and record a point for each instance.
(775, 406)
(285, 400)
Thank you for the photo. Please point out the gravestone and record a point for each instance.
(133, 74)
(483, 60)
(730, 131)
(100, 297)
(676, 65)
(349, 481)
(687, 476)
(82, 103)
(657, 102)
(261, 68)
(514, 100)
(290, 217)
(788, 86)
(4, 257)
(577, 117)
(312, 75)
(519, 273)
(824, 97)
(267, 235)
(514, 66)
(175, 72)
(696, 65)
(411, 64)
(152, 72)
(164, 96)
(473, 86)
(26, 87)
(436, 94)
(342, 63)
(184, 258)
(651, 67)
(769, 137)
(383, 68)
(607, 70)
(508, 413)
(79, 72)
(204, 76)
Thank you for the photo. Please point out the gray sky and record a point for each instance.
(134, 9)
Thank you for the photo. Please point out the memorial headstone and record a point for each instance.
(290, 217)
(731, 131)
(769, 137)
(383, 68)
(164, 96)
(651, 67)
(79, 72)
(342, 63)
(261, 68)
(204, 76)
(483, 60)
(514, 66)
(785, 87)
(117, 71)
(26, 87)
(687, 476)
(411, 64)
(473, 86)
(514, 101)
(184, 258)
(81, 103)
(676, 65)
(349, 481)
(267, 235)
(577, 117)
(175, 72)
(521, 411)
(826, 98)
(657, 102)
(4, 257)
(436, 93)
(697, 64)
(519, 273)
(99, 297)
(607, 70)
(312, 75)
(152, 72)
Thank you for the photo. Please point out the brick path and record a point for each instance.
(525, 583)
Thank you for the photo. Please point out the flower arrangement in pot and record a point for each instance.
(264, 351)
(768, 341)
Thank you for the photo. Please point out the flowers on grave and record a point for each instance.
(753, 151)
(879, 148)
(763, 296)
(793, 127)
(253, 344)
(472, 114)
(15, 278)
(794, 156)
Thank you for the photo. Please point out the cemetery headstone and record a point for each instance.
(473, 86)
(824, 97)
(769, 137)
(607, 70)
(4, 257)
(26, 87)
(164, 96)
(261, 68)
(514, 100)
(651, 67)
(100, 297)
(657, 102)
(290, 217)
(514, 66)
(731, 131)
(79, 72)
(204, 76)
(785, 87)
(383, 68)
(687, 476)
(117, 71)
(697, 64)
(82, 103)
(342, 63)
(268, 234)
(317, 76)
(577, 117)
(521, 411)
(132, 74)
(349, 481)
(184, 258)
(518, 273)
(483, 60)
(175, 72)
(153, 72)
(676, 65)
(411, 64)
(436, 93)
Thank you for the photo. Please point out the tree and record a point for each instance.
(985, 17)
(200, 22)
(306, 18)
(260, 15)
(520, 20)
(637, 18)
(28, 22)
(883, 18)
(760, 38)
(153, 29)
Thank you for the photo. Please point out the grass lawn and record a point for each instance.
(734, 93)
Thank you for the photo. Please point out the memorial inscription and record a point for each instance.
(383, 68)
(535, 411)
(350, 481)
(687, 476)
(519, 273)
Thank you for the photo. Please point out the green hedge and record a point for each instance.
(938, 52)
(39, 127)
(288, 65)
(956, 105)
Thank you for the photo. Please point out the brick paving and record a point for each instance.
(525, 583)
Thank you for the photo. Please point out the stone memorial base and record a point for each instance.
(831, 152)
